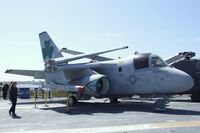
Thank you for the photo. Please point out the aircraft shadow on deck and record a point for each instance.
(93, 108)
(181, 100)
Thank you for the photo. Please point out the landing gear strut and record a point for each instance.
(195, 97)
(160, 105)
(113, 100)
(72, 101)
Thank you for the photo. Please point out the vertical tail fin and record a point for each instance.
(49, 49)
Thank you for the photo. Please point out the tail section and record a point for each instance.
(49, 49)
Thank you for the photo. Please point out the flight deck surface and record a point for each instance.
(98, 115)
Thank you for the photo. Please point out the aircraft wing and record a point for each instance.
(70, 70)
(73, 52)
(92, 56)
(37, 74)
(175, 58)
(179, 56)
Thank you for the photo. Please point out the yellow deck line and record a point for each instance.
(177, 124)
(120, 128)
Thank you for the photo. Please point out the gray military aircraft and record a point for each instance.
(142, 74)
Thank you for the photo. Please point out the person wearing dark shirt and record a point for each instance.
(5, 91)
(13, 98)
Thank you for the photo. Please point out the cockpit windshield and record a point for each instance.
(157, 61)
(146, 60)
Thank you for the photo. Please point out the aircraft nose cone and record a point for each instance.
(185, 81)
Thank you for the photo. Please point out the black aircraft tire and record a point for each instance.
(195, 97)
(72, 100)
(113, 100)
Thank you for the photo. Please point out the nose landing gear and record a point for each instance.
(160, 104)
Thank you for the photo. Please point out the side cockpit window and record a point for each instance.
(141, 61)
(157, 61)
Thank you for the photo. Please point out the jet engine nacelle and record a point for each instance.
(96, 85)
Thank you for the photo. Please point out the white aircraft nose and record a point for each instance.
(184, 81)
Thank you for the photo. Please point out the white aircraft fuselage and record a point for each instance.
(139, 74)
(135, 75)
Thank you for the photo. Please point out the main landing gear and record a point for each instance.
(195, 97)
(160, 104)
(113, 100)
(72, 100)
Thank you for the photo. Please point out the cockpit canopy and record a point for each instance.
(146, 60)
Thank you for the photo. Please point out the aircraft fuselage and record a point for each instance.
(138, 75)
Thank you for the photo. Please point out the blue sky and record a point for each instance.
(163, 27)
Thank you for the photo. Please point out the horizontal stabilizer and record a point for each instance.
(37, 74)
